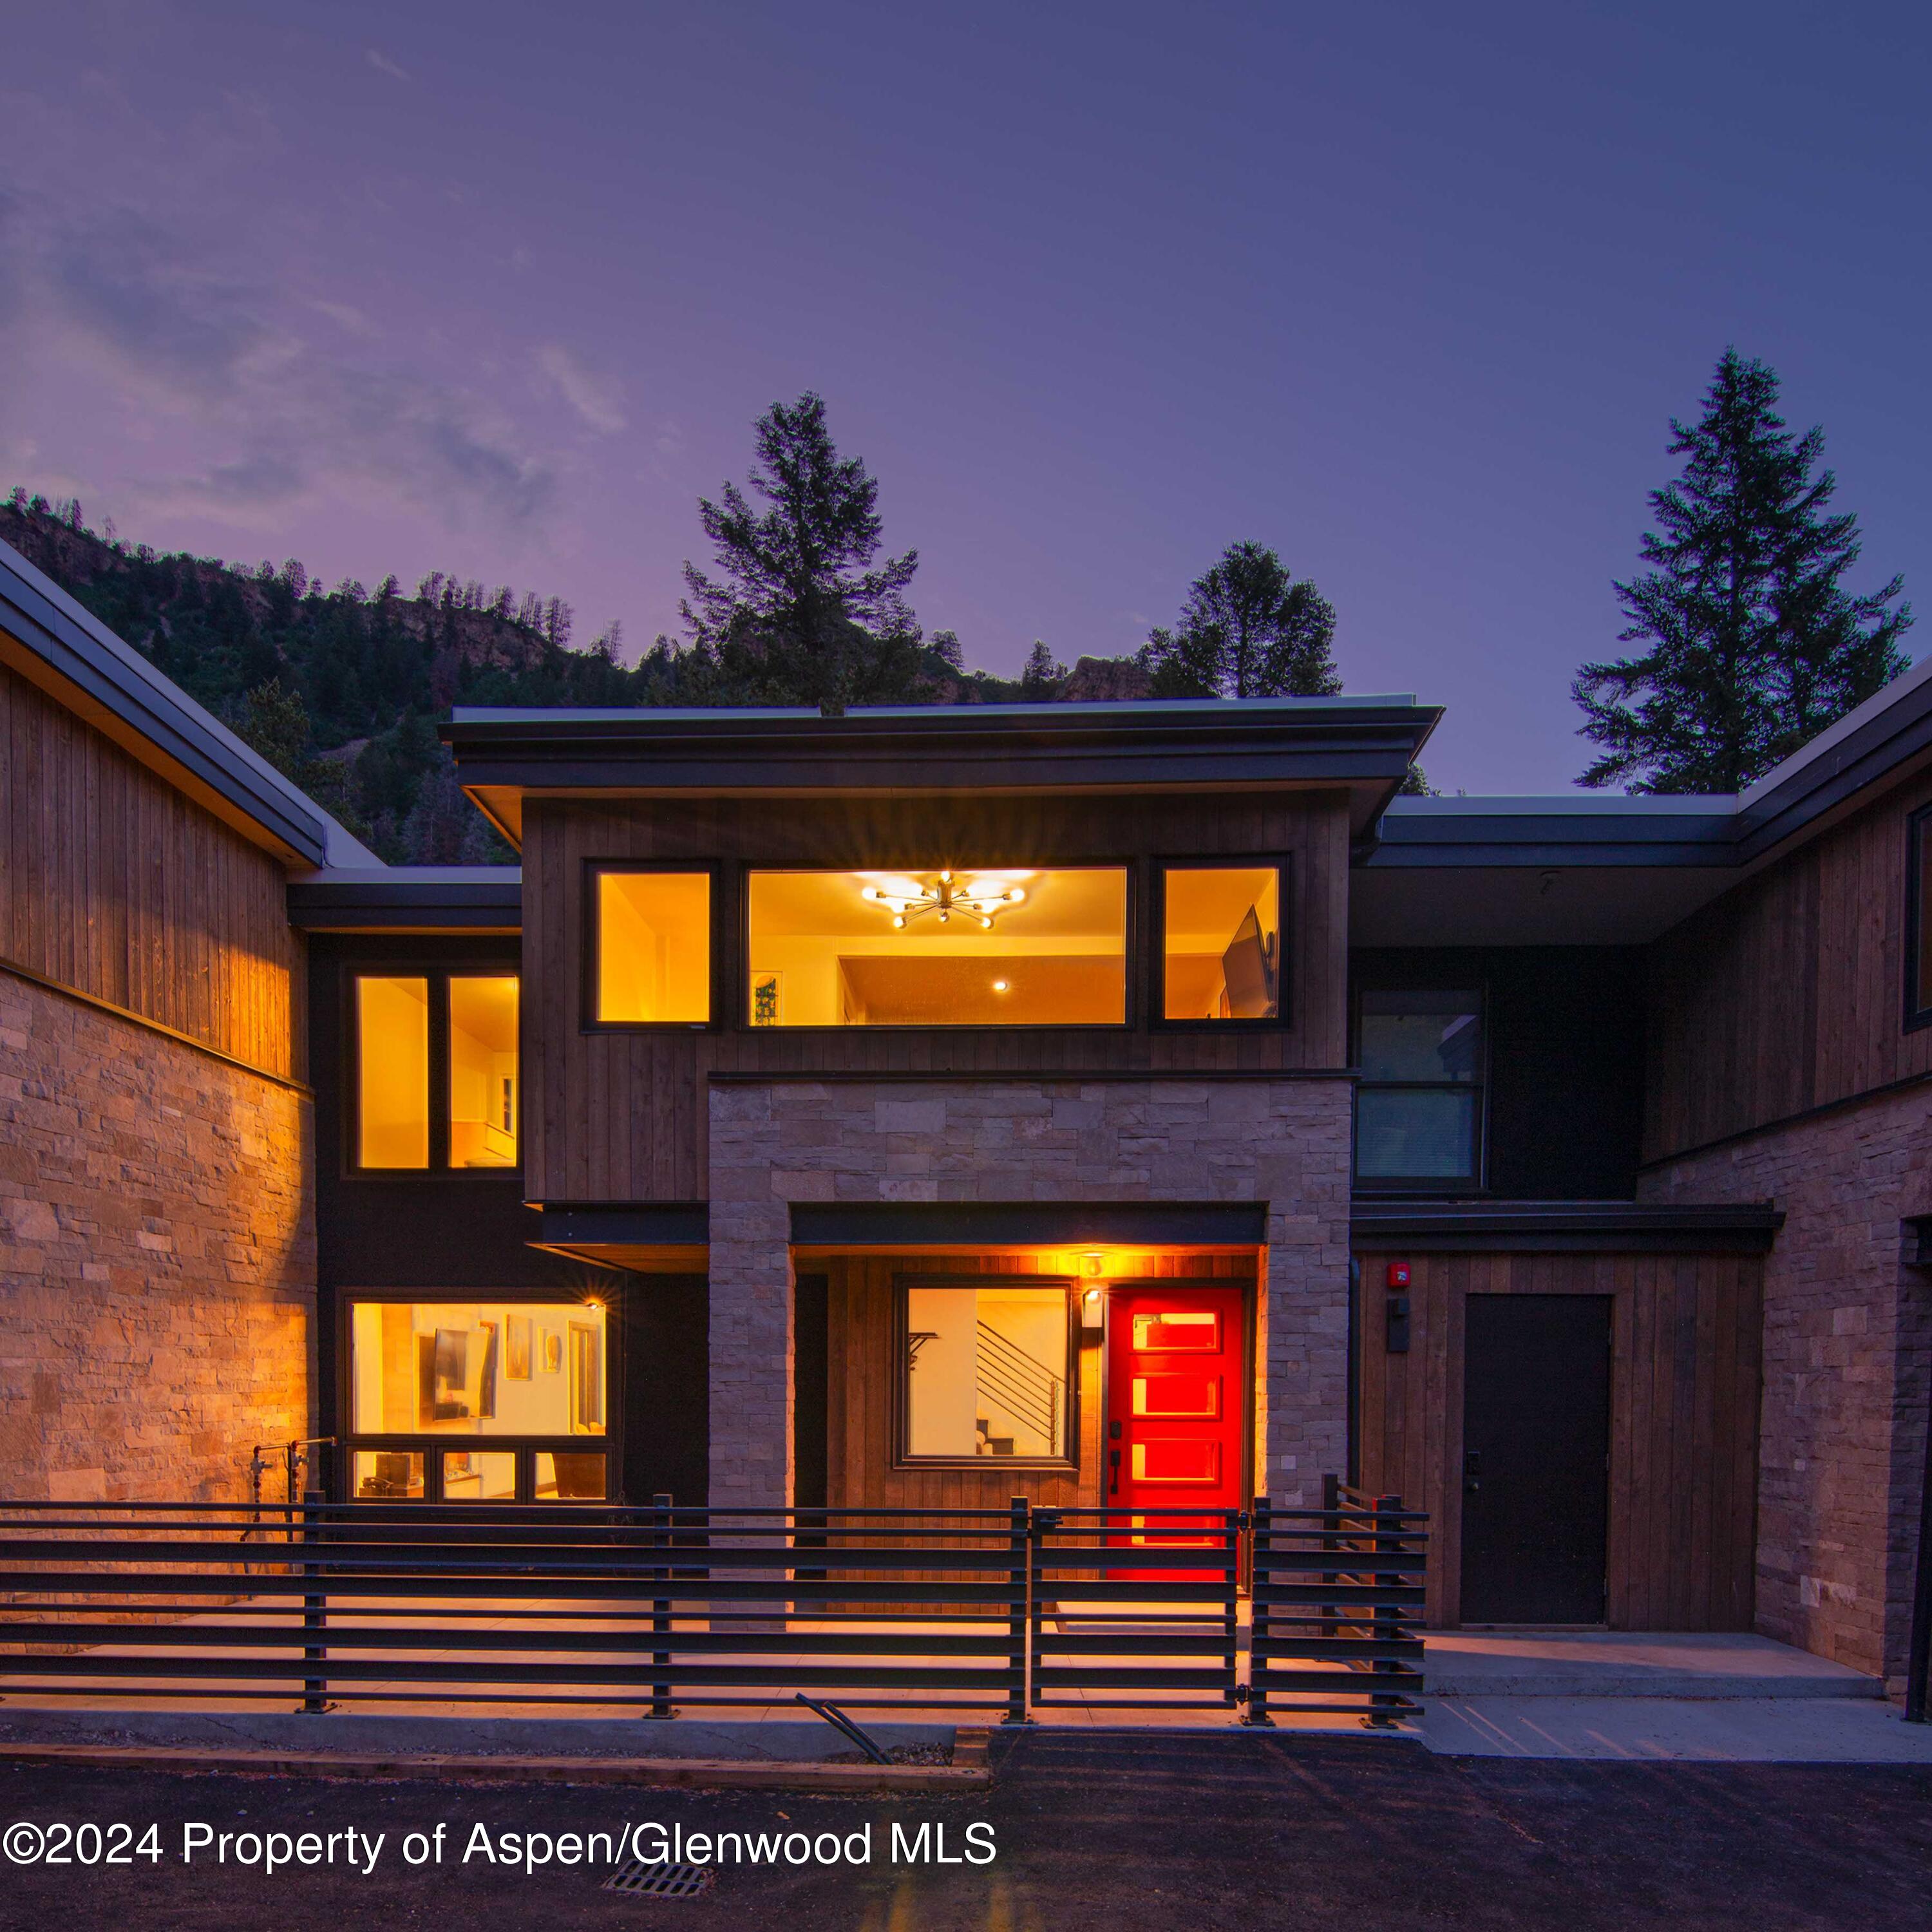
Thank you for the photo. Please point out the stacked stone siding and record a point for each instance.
(156, 1258)
(1847, 1348)
(1285, 1142)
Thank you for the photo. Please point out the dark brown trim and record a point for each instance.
(132, 1018)
(1564, 1227)
(1884, 1090)
(1028, 1224)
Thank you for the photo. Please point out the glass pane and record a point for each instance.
(569, 1478)
(483, 1071)
(986, 1373)
(1193, 1331)
(1221, 949)
(1921, 830)
(479, 1476)
(654, 946)
(1195, 1395)
(386, 1475)
(1176, 1460)
(1421, 1036)
(485, 1368)
(1415, 1135)
(974, 947)
(392, 1073)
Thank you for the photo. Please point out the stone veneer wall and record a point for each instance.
(1847, 1359)
(1283, 1142)
(157, 1259)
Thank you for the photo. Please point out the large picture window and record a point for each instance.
(1419, 1105)
(1221, 944)
(436, 1080)
(1918, 921)
(988, 1370)
(652, 950)
(943, 946)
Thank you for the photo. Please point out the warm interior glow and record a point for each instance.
(986, 1372)
(483, 1094)
(1222, 948)
(654, 947)
(476, 1369)
(392, 1054)
(825, 954)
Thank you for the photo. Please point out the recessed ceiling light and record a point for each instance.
(1002, 986)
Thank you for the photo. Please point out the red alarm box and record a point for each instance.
(1398, 1274)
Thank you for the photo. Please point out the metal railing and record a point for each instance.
(651, 1609)
(1025, 1388)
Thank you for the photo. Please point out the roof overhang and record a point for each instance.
(409, 898)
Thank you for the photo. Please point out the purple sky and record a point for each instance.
(1408, 292)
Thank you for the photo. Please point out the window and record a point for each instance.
(1918, 924)
(1418, 1109)
(1221, 952)
(437, 1081)
(969, 946)
(989, 1368)
(477, 1401)
(653, 948)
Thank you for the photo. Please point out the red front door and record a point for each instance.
(1176, 1403)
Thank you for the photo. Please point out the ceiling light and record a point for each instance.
(981, 899)
(1002, 986)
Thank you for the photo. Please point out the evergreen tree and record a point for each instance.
(1041, 675)
(1248, 630)
(798, 612)
(1753, 645)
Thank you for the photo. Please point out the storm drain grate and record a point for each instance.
(661, 1879)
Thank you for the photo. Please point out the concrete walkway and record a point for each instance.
(1614, 1663)
(1722, 1730)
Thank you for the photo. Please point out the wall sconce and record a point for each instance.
(1093, 1312)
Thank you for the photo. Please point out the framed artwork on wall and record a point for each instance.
(516, 1349)
(767, 998)
(552, 1352)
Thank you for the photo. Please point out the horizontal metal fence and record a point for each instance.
(650, 1609)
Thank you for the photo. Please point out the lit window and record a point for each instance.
(1418, 1107)
(988, 1372)
(971, 947)
(1918, 899)
(483, 1071)
(392, 1033)
(654, 948)
(1221, 949)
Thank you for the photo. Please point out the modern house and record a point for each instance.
(1139, 1103)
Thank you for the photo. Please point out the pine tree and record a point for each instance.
(1249, 629)
(797, 612)
(1753, 645)
(1042, 674)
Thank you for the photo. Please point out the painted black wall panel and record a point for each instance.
(666, 1389)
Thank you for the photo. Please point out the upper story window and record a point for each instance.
(652, 948)
(1419, 1106)
(1221, 946)
(961, 945)
(436, 1077)
(1919, 923)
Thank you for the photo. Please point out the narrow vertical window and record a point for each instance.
(483, 1093)
(653, 948)
(1221, 953)
(1418, 1107)
(1918, 935)
(392, 1072)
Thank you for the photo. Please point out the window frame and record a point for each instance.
(592, 929)
(431, 1447)
(438, 971)
(902, 1457)
(1477, 1181)
(1283, 864)
(1130, 973)
(1918, 827)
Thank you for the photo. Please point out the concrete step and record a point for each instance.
(1617, 1663)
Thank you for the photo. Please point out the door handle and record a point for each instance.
(1114, 1464)
(1470, 1485)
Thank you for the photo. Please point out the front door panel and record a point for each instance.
(1176, 1359)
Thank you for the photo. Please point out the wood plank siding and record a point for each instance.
(613, 1115)
(114, 884)
(1787, 993)
(1685, 1376)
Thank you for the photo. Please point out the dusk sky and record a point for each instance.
(1407, 292)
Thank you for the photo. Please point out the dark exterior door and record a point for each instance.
(1536, 1438)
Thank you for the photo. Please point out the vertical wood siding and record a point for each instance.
(1684, 1375)
(113, 884)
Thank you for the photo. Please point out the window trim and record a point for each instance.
(592, 929)
(438, 971)
(902, 1457)
(431, 1446)
(1130, 974)
(1477, 1182)
(1918, 829)
(1283, 865)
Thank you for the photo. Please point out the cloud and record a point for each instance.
(382, 63)
(596, 401)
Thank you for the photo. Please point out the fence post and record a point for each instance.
(1385, 1619)
(315, 1613)
(1020, 1610)
(1331, 1507)
(1262, 1575)
(661, 1541)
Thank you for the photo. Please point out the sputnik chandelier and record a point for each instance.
(980, 900)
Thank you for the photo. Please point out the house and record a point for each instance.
(1138, 1104)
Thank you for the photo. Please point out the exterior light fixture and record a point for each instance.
(1090, 1266)
(981, 900)
(1092, 1316)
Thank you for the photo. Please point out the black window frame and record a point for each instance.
(1283, 865)
(715, 873)
(1477, 1181)
(438, 971)
(901, 1383)
(1918, 991)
